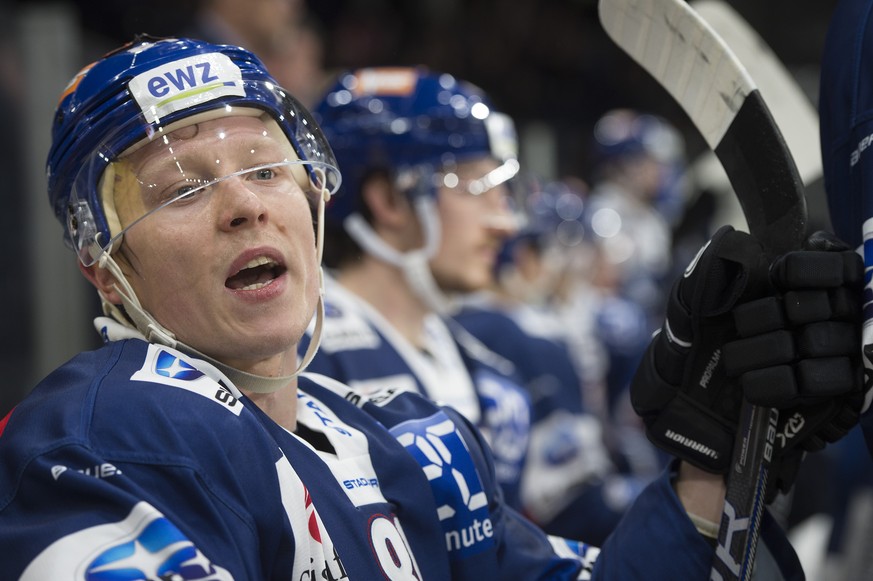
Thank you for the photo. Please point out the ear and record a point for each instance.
(389, 208)
(102, 280)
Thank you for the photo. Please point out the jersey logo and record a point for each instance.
(462, 504)
(105, 470)
(315, 556)
(184, 83)
(505, 422)
(145, 545)
(170, 367)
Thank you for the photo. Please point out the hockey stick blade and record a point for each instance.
(791, 107)
(685, 55)
(677, 47)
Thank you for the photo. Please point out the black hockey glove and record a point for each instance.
(793, 344)
(800, 350)
(680, 390)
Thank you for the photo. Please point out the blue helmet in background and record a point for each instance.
(553, 216)
(623, 133)
(408, 120)
(415, 126)
(143, 89)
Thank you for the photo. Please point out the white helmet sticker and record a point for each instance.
(501, 135)
(185, 83)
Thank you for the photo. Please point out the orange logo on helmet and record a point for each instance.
(385, 81)
(74, 82)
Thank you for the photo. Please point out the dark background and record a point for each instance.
(540, 60)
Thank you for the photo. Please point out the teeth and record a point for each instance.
(259, 261)
(255, 274)
(255, 286)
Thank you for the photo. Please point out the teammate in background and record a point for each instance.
(560, 262)
(634, 198)
(423, 213)
(846, 124)
(569, 469)
(425, 208)
(420, 216)
(191, 447)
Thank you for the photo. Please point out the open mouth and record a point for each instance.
(257, 273)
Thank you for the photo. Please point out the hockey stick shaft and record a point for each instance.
(684, 54)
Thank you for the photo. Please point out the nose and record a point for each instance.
(239, 207)
(498, 214)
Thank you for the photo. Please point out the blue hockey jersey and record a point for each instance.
(137, 462)
(569, 473)
(361, 349)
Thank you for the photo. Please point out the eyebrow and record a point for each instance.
(194, 156)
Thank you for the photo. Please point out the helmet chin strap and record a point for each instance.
(415, 264)
(137, 317)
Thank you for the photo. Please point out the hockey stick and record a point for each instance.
(792, 109)
(790, 105)
(684, 54)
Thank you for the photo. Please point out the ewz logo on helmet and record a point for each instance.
(182, 79)
(184, 83)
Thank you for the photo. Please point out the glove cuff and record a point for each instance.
(692, 434)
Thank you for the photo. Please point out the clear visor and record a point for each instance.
(173, 175)
(498, 186)
(454, 178)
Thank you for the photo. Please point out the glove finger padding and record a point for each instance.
(799, 349)
(680, 389)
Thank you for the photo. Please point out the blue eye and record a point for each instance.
(265, 174)
(189, 190)
(183, 191)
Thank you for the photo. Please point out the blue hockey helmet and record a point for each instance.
(553, 215)
(622, 133)
(410, 120)
(144, 90)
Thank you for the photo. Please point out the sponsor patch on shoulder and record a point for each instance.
(185, 83)
(170, 367)
(144, 545)
(462, 503)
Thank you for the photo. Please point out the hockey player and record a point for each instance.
(425, 207)
(634, 191)
(422, 214)
(569, 469)
(424, 210)
(190, 447)
(845, 107)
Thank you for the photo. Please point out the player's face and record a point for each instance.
(473, 230)
(230, 269)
